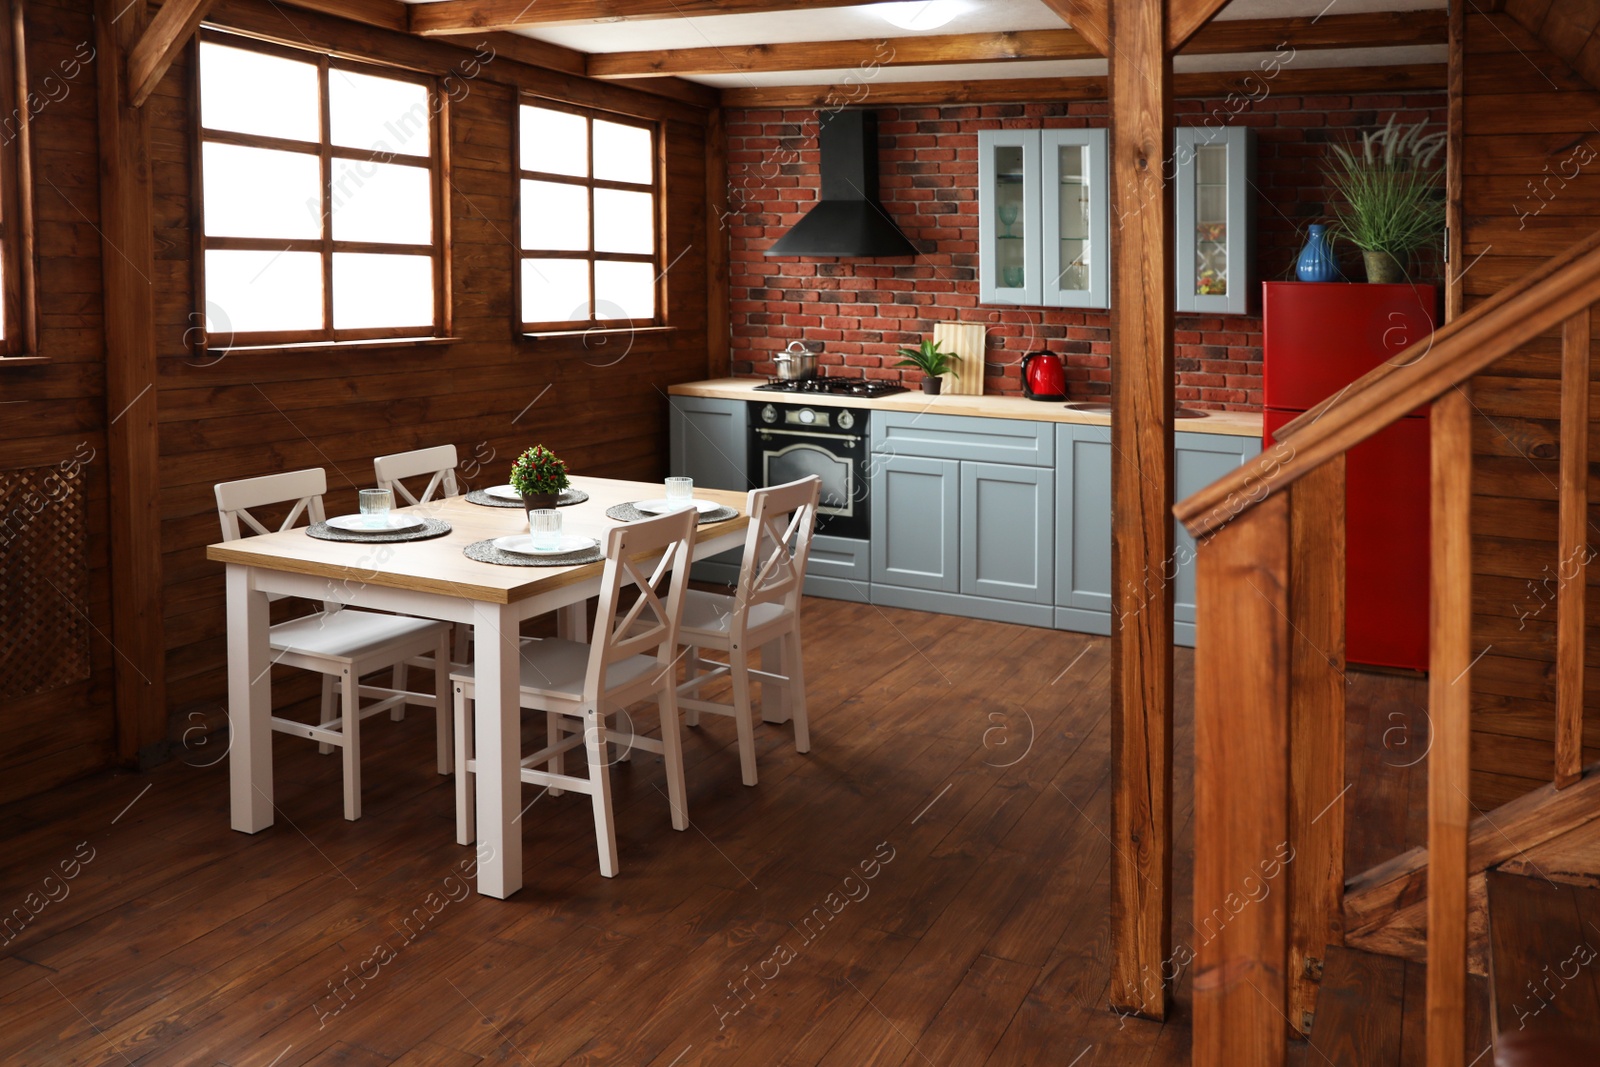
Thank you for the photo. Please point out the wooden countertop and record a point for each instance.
(1229, 423)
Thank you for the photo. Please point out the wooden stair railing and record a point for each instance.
(1269, 662)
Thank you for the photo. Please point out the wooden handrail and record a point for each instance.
(1454, 354)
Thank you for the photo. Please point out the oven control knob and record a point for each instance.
(769, 414)
(846, 420)
(807, 416)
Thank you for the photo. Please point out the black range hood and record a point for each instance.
(848, 221)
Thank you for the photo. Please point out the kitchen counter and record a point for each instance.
(1229, 423)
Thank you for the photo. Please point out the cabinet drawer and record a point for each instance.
(899, 433)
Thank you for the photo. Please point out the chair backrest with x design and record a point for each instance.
(235, 499)
(640, 555)
(778, 544)
(438, 462)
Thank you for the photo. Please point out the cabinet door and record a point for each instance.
(915, 512)
(710, 442)
(1008, 217)
(1198, 460)
(1083, 518)
(1074, 213)
(1007, 532)
(1213, 210)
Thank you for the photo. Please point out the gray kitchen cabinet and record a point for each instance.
(709, 442)
(915, 523)
(1083, 508)
(1007, 532)
(1213, 216)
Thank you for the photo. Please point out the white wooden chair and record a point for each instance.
(764, 613)
(438, 464)
(341, 644)
(630, 659)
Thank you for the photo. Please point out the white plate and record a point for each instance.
(504, 492)
(522, 545)
(389, 523)
(661, 507)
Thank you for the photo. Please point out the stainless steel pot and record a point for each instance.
(795, 363)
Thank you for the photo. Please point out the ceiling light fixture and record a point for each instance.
(921, 14)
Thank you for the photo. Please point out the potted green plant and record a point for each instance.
(930, 358)
(539, 476)
(1393, 197)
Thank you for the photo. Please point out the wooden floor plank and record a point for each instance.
(1360, 1009)
(1544, 970)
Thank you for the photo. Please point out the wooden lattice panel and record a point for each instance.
(44, 580)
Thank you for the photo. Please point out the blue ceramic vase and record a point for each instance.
(1316, 262)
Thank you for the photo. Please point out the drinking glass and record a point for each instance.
(1008, 216)
(375, 505)
(545, 523)
(680, 493)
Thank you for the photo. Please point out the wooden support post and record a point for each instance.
(127, 253)
(1449, 710)
(1316, 731)
(1241, 794)
(1572, 571)
(153, 52)
(718, 220)
(1141, 507)
(1455, 168)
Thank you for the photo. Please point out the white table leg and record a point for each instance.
(497, 722)
(249, 704)
(774, 698)
(572, 622)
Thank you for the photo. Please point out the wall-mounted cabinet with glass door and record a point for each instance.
(1043, 224)
(1213, 209)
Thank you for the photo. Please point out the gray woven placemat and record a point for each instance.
(485, 552)
(567, 498)
(629, 513)
(431, 528)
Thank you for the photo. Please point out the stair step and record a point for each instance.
(1360, 1009)
(1544, 950)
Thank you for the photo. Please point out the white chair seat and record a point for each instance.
(712, 614)
(347, 634)
(555, 667)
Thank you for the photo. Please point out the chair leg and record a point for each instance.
(466, 800)
(351, 723)
(401, 677)
(605, 829)
(624, 751)
(672, 755)
(739, 661)
(691, 671)
(553, 735)
(328, 714)
(441, 707)
(795, 669)
(463, 634)
(774, 697)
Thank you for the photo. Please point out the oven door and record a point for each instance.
(787, 455)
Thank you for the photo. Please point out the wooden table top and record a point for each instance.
(438, 565)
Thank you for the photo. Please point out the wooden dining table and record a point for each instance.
(429, 579)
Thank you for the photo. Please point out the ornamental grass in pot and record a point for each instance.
(539, 476)
(1392, 192)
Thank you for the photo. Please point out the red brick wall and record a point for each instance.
(857, 312)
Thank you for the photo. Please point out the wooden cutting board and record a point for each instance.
(966, 340)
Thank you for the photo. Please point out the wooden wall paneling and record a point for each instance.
(127, 261)
(1241, 802)
(1316, 732)
(1574, 552)
(1141, 506)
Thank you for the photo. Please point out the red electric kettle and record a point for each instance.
(1043, 376)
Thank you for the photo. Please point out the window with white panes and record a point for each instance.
(588, 187)
(320, 198)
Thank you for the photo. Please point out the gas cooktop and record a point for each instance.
(834, 386)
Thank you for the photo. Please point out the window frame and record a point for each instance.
(436, 163)
(656, 258)
(20, 296)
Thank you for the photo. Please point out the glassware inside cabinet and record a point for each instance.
(1074, 189)
(1010, 199)
(1211, 220)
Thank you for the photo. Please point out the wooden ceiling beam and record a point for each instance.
(475, 16)
(1415, 77)
(1218, 38)
(1185, 17)
(1089, 18)
(159, 45)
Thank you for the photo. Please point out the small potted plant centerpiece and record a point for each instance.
(539, 476)
(1393, 196)
(933, 361)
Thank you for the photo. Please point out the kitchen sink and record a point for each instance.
(1103, 407)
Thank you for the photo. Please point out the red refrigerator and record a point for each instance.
(1320, 337)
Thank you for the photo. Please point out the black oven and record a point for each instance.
(790, 441)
